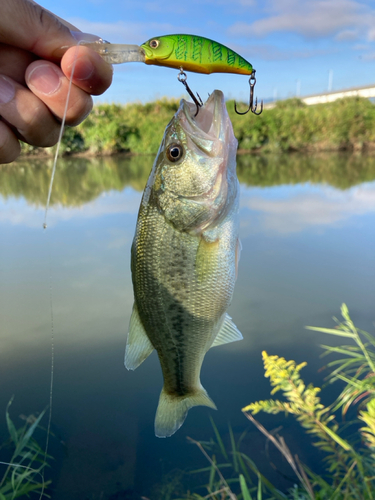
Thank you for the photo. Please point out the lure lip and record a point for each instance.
(117, 53)
(112, 53)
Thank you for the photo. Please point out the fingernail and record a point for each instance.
(86, 37)
(7, 90)
(44, 79)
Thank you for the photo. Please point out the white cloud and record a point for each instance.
(119, 238)
(14, 213)
(369, 56)
(347, 36)
(361, 46)
(122, 32)
(320, 208)
(269, 52)
(314, 19)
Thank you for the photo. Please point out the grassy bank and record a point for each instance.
(346, 124)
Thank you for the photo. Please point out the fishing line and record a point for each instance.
(60, 136)
(15, 465)
(52, 360)
(50, 266)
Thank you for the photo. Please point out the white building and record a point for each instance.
(338, 94)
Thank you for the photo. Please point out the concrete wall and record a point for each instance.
(332, 96)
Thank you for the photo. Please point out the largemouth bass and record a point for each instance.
(184, 256)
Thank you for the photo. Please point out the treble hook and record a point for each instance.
(253, 109)
(182, 77)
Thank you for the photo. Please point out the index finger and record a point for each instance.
(87, 70)
(34, 29)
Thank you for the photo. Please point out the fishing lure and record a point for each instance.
(183, 52)
(194, 53)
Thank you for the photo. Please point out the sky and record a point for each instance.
(298, 47)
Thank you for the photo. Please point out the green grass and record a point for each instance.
(349, 457)
(346, 124)
(24, 471)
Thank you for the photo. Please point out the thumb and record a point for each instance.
(27, 25)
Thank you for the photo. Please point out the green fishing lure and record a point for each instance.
(183, 52)
(194, 53)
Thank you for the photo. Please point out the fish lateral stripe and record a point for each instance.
(242, 63)
(231, 58)
(217, 54)
(197, 49)
(181, 51)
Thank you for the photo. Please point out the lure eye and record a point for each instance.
(174, 152)
(154, 44)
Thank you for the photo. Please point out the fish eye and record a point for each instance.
(174, 152)
(154, 44)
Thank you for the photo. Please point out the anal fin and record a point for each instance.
(227, 333)
(138, 345)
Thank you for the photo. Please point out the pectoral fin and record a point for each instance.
(138, 345)
(227, 333)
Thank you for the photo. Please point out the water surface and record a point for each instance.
(308, 237)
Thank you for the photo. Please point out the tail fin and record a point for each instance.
(172, 410)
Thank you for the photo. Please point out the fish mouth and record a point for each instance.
(211, 118)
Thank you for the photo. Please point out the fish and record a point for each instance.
(184, 256)
(194, 53)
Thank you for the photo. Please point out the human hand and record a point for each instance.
(34, 77)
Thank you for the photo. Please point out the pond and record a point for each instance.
(308, 238)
